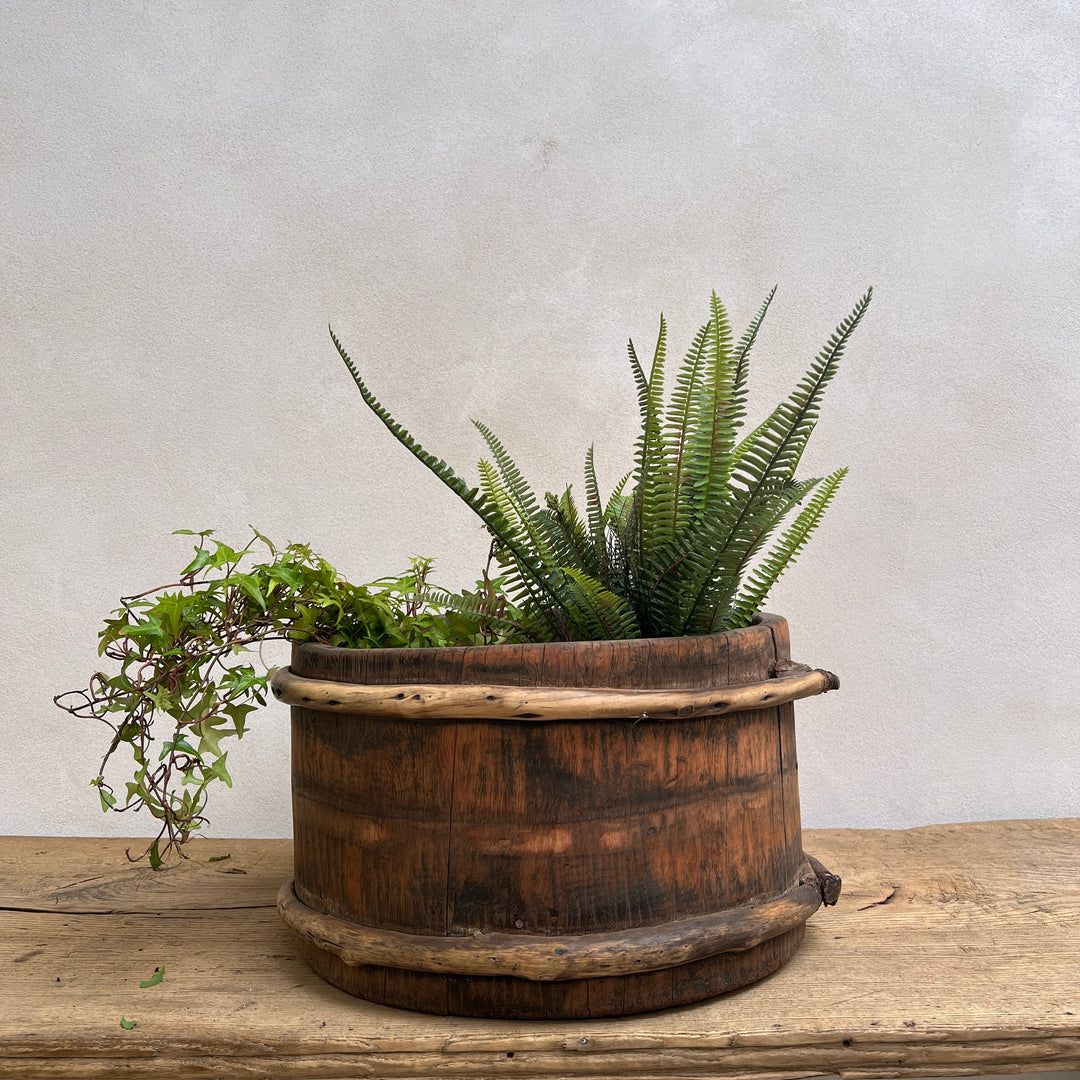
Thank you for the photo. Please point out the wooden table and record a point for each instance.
(954, 949)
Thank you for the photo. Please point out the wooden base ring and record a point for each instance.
(550, 958)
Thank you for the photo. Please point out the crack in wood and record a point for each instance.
(881, 901)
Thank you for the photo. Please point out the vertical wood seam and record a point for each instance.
(780, 749)
(450, 813)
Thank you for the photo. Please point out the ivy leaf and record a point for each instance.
(155, 859)
(179, 744)
(238, 715)
(219, 771)
(209, 737)
(219, 858)
(202, 558)
(159, 974)
(127, 1025)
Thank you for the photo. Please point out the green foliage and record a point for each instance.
(681, 546)
(159, 974)
(671, 555)
(179, 648)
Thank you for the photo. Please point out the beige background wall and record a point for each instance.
(486, 199)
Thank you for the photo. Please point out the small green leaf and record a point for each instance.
(155, 859)
(219, 858)
(179, 744)
(202, 558)
(127, 1025)
(218, 769)
(107, 801)
(159, 974)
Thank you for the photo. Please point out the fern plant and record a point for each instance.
(681, 545)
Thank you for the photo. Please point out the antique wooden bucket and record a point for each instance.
(549, 831)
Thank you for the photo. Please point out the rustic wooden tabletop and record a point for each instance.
(954, 949)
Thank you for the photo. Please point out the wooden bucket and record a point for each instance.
(475, 834)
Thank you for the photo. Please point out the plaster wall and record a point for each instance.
(486, 199)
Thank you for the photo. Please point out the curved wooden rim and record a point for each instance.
(763, 622)
(549, 958)
(454, 701)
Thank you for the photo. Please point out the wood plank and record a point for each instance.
(954, 949)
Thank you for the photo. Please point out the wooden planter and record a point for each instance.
(464, 846)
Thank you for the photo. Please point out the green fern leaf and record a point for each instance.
(678, 425)
(607, 616)
(715, 415)
(766, 464)
(653, 494)
(791, 542)
(593, 505)
(746, 343)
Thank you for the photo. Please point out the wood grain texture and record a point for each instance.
(549, 958)
(581, 825)
(953, 950)
(418, 701)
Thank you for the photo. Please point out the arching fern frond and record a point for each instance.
(524, 560)
(654, 496)
(605, 614)
(746, 343)
(782, 556)
(678, 426)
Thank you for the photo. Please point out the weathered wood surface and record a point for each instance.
(545, 703)
(539, 830)
(954, 949)
(569, 956)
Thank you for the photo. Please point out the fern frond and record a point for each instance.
(575, 545)
(444, 472)
(493, 489)
(654, 496)
(713, 423)
(518, 489)
(678, 423)
(607, 616)
(746, 343)
(791, 542)
(774, 449)
(640, 382)
(767, 462)
(521, 500)
(617, 501)
(593, 506)
(526, 563)
(760, 528)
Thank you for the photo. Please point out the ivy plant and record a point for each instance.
(180, 649)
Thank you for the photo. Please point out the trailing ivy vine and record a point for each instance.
(177, 646)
